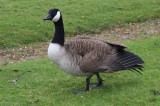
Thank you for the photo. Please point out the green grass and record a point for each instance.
(21, 20)
(43, 84)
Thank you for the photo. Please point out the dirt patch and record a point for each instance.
(23, 53)
(115, 34)
(129, 31)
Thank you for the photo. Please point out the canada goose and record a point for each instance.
(88, 56)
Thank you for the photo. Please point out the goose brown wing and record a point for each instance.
(96, 55)
(89, 53)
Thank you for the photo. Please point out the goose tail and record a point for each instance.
(125, 60)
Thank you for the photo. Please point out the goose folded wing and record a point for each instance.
(93, 54)
(92, 63)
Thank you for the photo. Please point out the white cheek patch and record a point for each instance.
(57, 16)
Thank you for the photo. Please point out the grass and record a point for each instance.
(40, 83)
(21, 21)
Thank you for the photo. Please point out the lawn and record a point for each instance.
(21, 20)
(40, 83)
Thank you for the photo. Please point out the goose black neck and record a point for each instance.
(59, 32)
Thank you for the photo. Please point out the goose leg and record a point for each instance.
(88, 83)
(87, 86)
(100, 81)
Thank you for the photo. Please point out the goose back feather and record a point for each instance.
(96, 55)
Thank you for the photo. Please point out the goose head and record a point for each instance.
(53, 15)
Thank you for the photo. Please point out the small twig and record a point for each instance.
(19, 76)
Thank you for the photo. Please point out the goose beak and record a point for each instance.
(48, 17)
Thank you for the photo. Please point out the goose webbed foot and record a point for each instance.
(87, 86)
(100, 82)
